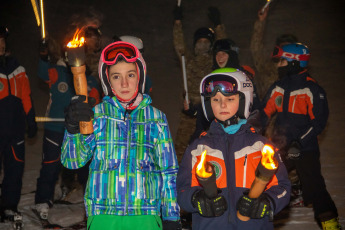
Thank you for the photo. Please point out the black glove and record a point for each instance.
(255, 208)
(32, 130)
(43, 49)
(294, 150)
(178, 13)
(78, 111)
(209, 207)
(172, 225)
(214, 15)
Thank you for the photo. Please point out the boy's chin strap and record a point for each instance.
(231, 121)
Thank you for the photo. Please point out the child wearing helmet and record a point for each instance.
(234, 150)
(133, 166)
(302, 112)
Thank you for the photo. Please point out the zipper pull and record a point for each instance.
(245, 160)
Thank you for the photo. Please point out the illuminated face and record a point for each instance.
(2, 46)
(222, 58)
(225, 107)
(124, 79)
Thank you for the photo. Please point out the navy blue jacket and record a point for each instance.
(302, 110)
(235, 158)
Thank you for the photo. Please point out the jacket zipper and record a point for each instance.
(245, 171)
(128, 161)
(293, 104)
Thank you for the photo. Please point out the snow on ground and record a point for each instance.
(317, 23)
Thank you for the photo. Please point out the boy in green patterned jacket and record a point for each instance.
(132, 176)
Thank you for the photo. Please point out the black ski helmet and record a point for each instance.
(203, 32)
(228, 46)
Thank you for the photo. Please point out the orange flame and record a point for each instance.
(201, 169)
(267, 157)
(76, 42)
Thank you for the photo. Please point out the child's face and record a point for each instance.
(222, 58)
(224, 107)
(123, 79)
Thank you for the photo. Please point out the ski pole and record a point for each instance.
(42, 19)
(185, 77)
(265, 6)
(49, 119)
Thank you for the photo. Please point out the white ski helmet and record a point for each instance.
(133, 40)
(228, 81)
(130, 54)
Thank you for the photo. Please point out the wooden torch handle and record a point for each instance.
(258, 187)
(80, 86)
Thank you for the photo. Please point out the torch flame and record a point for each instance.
(201, 169)
(76, 42)
(267, 157)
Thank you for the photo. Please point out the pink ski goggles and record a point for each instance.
(128, 51)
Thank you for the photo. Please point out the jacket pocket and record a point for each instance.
(104, 179)
(148, 180)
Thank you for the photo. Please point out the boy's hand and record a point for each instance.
(209, 207)
(178, 13)
(294, 151)
(214, 15)
(255, 208)
(78, 111)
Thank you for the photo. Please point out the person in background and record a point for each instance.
(225, 54)
(55, 72)
(198, 64)
(132, 178)
(17, 112)
(302, 112)
(233, 152)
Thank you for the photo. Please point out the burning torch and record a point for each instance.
(207, 177)
(263, 174)
(265, 6)
(76, 59)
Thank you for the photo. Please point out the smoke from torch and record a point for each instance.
(76, 59)
(206, 176)
(263, 174)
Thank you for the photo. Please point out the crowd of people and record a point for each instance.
(133, 175)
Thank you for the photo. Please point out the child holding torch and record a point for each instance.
(132, 179)
(233, 154)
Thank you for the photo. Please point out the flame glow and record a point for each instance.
(201, 169)
(267, 157)
(76, 42)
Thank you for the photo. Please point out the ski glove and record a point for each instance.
(78, 111)
(209, 207)
(172, 225)
(178, 13)
(255, 208)
(214, 15)
(294, 150)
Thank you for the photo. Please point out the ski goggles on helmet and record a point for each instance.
(219, 83)
(110, 53)
(279, 53)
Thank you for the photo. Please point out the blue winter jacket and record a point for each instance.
(235, 158)
(133, 162)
